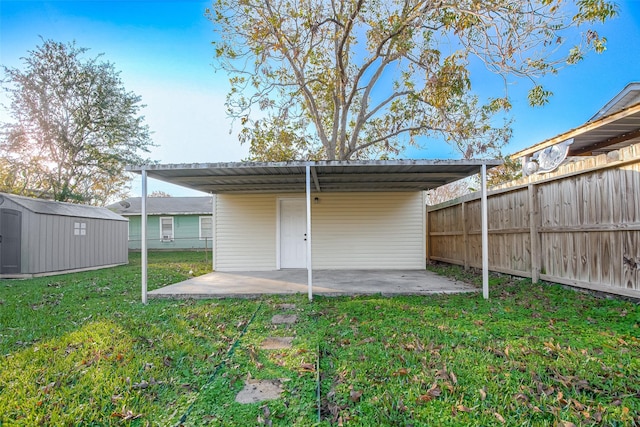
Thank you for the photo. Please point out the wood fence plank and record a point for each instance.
(465, 234)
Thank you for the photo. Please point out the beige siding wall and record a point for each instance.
(369, 231)
(350, 231)
(245, 232)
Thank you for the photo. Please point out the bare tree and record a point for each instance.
(344, 79)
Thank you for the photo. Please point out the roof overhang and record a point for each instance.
(608, 133)
(327, 176)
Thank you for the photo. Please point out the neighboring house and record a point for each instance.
(43, 237)
(615, 126)
(173, 223)
(363, 214)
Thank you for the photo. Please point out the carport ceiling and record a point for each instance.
(326, 176)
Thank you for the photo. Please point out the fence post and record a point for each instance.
(465, 235)
(428, 236)
(534, 219)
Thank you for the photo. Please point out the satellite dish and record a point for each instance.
(530, 168)
(551, 157)
(125, 204)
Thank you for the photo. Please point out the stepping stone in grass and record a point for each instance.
(276, 343)
(259, 390)
(288, 319)
(286, 306)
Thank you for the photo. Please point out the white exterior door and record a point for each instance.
(293, 237)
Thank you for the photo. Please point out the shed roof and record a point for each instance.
(164, 206)
(339, 176)
(51, 207)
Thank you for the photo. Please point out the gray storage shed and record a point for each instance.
(43, 237)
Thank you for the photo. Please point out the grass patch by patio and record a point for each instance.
(80, 349)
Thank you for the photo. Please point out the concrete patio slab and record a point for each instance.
(253, 284)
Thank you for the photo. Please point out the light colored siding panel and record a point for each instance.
(245, 232)
(41, 245)
(30, 240)
(135, 232)
(94, 236)
(50, 230)
(368, 231)
(349, 230)
(64, 235)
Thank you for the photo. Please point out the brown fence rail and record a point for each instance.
(579, 226)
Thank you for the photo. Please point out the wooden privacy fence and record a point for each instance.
(579, 225)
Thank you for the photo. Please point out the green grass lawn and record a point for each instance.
(80, 349)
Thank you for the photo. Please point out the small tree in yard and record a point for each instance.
(348, 79)
(74, 127)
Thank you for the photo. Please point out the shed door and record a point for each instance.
(10, 240)
(293, 237)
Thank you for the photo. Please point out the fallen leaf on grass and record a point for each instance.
(579, 406)
(126, 415)
(463, 408)
(355, 395)
(443, 374)
(266, 420)
(47, 388)
(432, 393)
(522, 398)
(401, 372)
(307, 367)
(483, 394)
(189, 387)
(561, 399)
(567, 424)
(499, 417)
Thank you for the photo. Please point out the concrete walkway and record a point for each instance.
(251, 284)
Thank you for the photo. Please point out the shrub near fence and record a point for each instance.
(579, 225)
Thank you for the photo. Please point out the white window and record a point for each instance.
(166, 228)
(79, 228)
(206, 229)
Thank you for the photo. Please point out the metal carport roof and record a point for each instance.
(362, 175)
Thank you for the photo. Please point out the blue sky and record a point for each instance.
(163, 51)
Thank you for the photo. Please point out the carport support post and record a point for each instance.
(485, 235)
(309, 267)
(143, 247)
